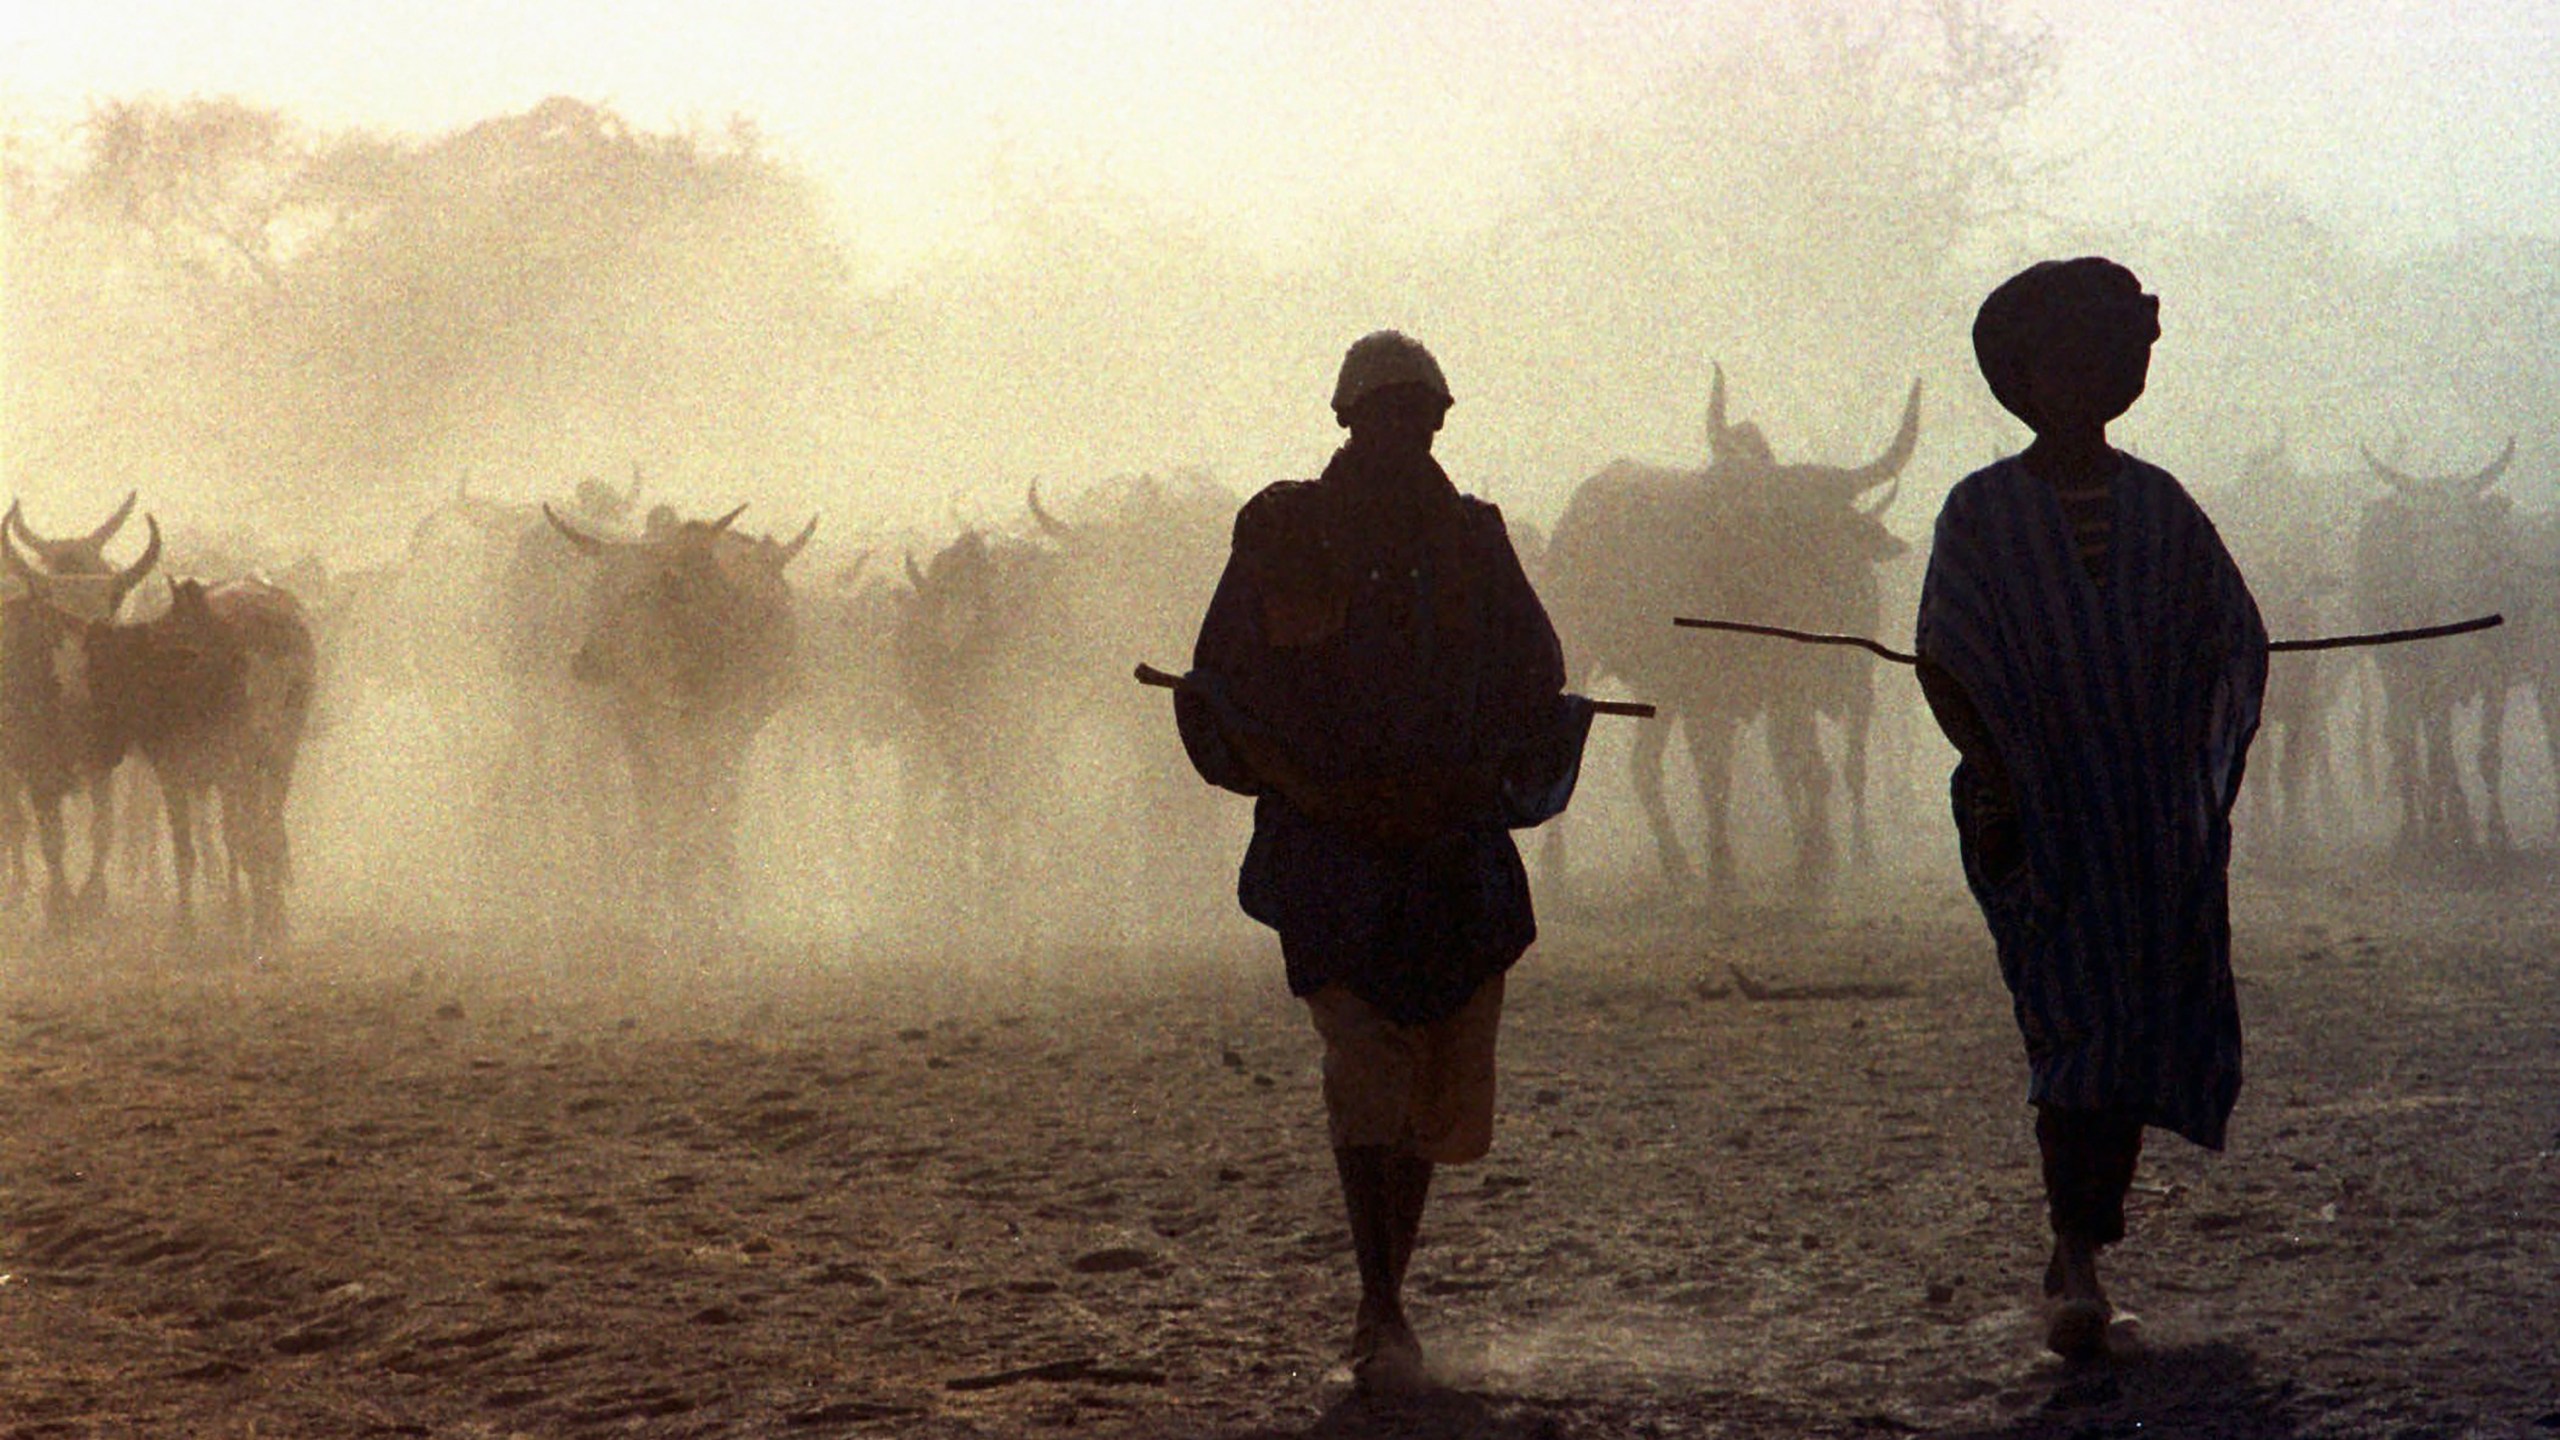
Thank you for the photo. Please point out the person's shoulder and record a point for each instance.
(1991, 485)
(2154, 477)
(1483, 517)
(2163, 492)
(1280, 513)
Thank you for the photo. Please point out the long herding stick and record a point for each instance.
(2274, 647)
(1163, 680)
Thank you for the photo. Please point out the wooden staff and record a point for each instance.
(2274, 647)
(1165, 680)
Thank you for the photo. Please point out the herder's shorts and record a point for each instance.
(1426, 1090)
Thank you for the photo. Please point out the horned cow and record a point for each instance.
(693, 643)
(215, 694)
(1744, 538)
(50, 743)
(2427, 549)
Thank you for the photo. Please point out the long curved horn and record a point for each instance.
(915, 577)
(1049, 524)
(2399, 480)
(27, 574)
(107, 529)
(45, 550)
(2486, 478)
(1896, 455)
(725, 521)
(800, 541)
(579, 540)
(61, 557)
(1883, 502)
(133, 574)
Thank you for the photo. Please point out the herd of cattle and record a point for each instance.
(637, 663)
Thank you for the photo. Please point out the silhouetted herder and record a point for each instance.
(1376, 670)
(2088, 645)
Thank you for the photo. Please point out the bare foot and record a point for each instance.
(1386, 1357)
(2076, 1308)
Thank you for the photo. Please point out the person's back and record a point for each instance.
(1376, 670)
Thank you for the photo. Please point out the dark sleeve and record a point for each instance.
(1230, 645)
(1532, 665)
(1958, 720)
(1541, 729)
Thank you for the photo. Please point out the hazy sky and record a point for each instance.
(2420, 118)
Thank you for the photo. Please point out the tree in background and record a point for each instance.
(1812, 209)
(330, 325)
(2284, 325)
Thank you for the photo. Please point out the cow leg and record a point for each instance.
(180, 807)
(253, 833)
(2400, 750)
(102, 837)
(1551, 858)
(1854, 729)
(1711, 756)
(276, 851)
(2545, 697)
(13, 842)
(1804, 782)
(720, 830)
(2493, 766)
(50, 844)
(2453, 811)
(1644, 765)
(2284, 799)
(235, 872)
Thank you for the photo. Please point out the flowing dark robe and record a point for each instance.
(1377, 630)
(2121, 714)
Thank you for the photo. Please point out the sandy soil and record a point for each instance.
(1756, 1176)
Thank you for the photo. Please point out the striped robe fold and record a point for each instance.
(2122, 714)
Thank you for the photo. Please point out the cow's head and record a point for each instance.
(77, 555)
(1829, 504)
(692, 618)
(48, 623)
(93, 590)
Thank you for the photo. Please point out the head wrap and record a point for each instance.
(2085, 303)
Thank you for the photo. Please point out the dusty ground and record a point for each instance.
(469, 1185)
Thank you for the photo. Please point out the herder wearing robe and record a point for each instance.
(2089, 647)
(1376, 671)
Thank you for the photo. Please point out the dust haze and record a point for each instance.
(363, 359)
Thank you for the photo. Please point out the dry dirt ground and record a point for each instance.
(1755, 1176)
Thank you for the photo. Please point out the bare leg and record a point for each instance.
(1382, 1196)
(2089, 1159)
